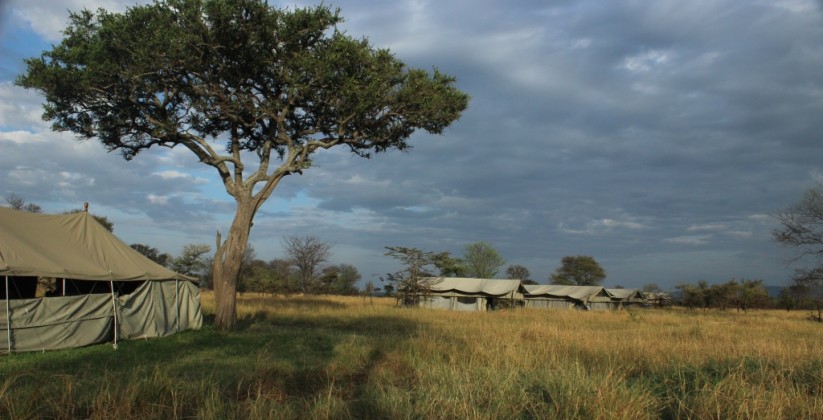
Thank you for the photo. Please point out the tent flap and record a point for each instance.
(151, 311)
(56, 323)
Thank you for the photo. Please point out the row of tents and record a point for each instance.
(471, 294)
(66, 281)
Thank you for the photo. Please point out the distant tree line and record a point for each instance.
(743, 295)
(303, 271)
(479, 260)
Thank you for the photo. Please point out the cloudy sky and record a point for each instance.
(656, 136)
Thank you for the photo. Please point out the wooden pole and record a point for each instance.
(8, 315)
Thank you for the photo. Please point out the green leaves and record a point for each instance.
(261, 77)
(581, 270)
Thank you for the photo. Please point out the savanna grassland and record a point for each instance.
(336, 357)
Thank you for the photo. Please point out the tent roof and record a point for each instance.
(574, 292)
(491, 287)
(624, 293)
(72, 246)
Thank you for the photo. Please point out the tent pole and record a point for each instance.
(177, 303)
(8, 315)
(114, 311)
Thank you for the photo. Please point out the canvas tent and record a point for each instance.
(626, 298)
(467, 294)
(560, 296)
(68, 282)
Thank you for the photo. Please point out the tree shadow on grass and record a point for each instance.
(294, 358)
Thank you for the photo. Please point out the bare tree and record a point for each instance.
(801, 228)
(18, 203)
(307, 253)
(801, 225)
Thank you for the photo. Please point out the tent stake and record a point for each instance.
(8, 315)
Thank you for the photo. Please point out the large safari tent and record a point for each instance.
(68, 282)
(467, 294)
(562, 296)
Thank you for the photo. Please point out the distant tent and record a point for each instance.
(68, 282)
(626, 298)
(560, 296)
(468, 294)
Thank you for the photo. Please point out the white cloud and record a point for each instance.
(175, 175)
(71, 179)
(707, 226)
(172, 175)
(28, 176)
(646, 61)
(19, 137)
(599, 226)
(157, 199)
(761, 218)
(740, 233)
(794, 6)
(20, 108)
(690, 240)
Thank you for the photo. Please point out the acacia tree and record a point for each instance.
(416, 263)
(339, 279)
(581, 270)
(481, 260)
(521, 273)
(234, 80)
(193, 260)
(153, 254)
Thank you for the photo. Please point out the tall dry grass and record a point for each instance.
(339, 357)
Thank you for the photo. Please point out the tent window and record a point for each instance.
(467, 300)
(20, 288)
(126, 287)
(81, 287)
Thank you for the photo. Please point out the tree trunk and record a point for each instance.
(227, 261)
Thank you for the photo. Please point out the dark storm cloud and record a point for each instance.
(613, 128)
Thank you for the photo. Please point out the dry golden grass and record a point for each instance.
(626, 364)
(346, 357)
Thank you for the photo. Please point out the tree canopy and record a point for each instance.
(153, 254)
(232, 81)
(581, 270)
(519, 272)
(416, 265)
(481, 260)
